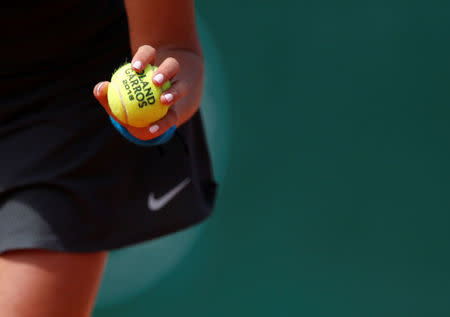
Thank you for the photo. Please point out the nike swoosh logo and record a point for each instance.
(155, 204)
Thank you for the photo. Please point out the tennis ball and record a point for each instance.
(134, 99)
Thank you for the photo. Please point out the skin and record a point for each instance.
(174, 46)
(36, 283)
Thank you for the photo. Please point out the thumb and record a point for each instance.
(101, 94)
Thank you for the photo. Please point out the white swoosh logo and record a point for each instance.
(156, 204)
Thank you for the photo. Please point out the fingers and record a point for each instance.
(145, 55)
(157, 128)
(174, 93)
(167, 70)
(101, 94)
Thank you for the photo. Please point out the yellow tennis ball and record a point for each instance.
(134, 99)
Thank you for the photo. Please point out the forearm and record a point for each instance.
(162, 24)
(169, 27)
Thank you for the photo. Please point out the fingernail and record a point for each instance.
(168, 97)
(99, 87)
(159, 78)
(137, 65)
(153, 128)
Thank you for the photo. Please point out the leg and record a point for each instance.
(36, 283)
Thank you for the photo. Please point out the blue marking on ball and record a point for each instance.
(163, 138)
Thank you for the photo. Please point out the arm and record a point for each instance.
(163, 33)
(169, 27)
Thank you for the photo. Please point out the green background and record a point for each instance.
(335, 200)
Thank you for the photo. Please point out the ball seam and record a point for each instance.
(121, 101)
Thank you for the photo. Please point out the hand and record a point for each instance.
(167, 70)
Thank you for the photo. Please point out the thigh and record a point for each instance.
(35, 283)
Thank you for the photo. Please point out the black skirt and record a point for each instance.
(70, 182)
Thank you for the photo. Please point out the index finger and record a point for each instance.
(145, 55)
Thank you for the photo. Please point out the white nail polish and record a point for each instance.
(159, 78)
(168, 97)
(154, 128)
(137, 64)
(99, 87)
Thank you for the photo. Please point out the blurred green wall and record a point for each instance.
(336, 197)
